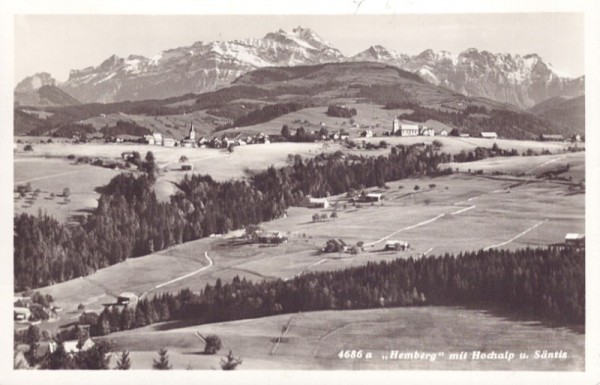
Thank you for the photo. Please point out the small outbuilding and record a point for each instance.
(127, 298)
(396, 245)
(488, 135)
(574, 239)
(320, 203)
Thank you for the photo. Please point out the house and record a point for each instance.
(127, 298)
(149, 139)
(367, 133)
(75, 346)
(321, 203)
(187, 167)
(373, 197)
(215, 143)
(168, 142)
(22, 314)
(396, 245)
(202, 141)
(426, 131)
(158, 139)
(552, 138)
(576, 138)
(488, 135)
(574, 239)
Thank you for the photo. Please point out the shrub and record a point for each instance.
(230, 362)
(28, 147)
(213, 344)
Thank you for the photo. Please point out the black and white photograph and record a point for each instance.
(374, 188)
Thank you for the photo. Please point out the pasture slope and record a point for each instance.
(313, 341)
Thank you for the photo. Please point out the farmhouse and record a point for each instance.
(426, 131)
(373, 197)
(168, 142)
(574, 239)
(321, 203)
(158, 139)
(396, 245)
(489, 135)
(149, 139)
(127, 298)
(367, 133)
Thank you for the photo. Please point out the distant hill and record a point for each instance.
(40, 90)
(568, 112)
(264, 94)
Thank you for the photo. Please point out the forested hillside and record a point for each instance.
(130, 221)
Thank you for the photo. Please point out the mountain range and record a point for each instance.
(520, 80)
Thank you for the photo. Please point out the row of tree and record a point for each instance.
(547, 284)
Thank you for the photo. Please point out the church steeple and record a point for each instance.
(192, 134)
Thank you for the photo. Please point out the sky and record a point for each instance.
(59, 43)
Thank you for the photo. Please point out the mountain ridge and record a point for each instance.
(200, 67)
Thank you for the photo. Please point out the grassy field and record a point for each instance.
(531, 166)
(313, 341)
(51, 176)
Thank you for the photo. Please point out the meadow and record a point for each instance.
(313, 341)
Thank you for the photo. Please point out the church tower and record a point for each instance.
(192, 134)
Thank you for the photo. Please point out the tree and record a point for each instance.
(334, 214)
(213, 344)
(28, 147)
(436, 143)
(66, 192)
(96, 357)
(124, 363)
(316, 217)
(417, 188)
(285, 131)
(81, 307)
(163, 360)
(230, 362)
(183, 158)
(455, 132)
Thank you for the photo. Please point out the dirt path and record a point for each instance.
(405, 229)
(545, 163)
(46, 177)
(516, 236)
(284, 331)
(210, 264)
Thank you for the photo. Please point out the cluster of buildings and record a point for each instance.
(406, 128)
(191, 140)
